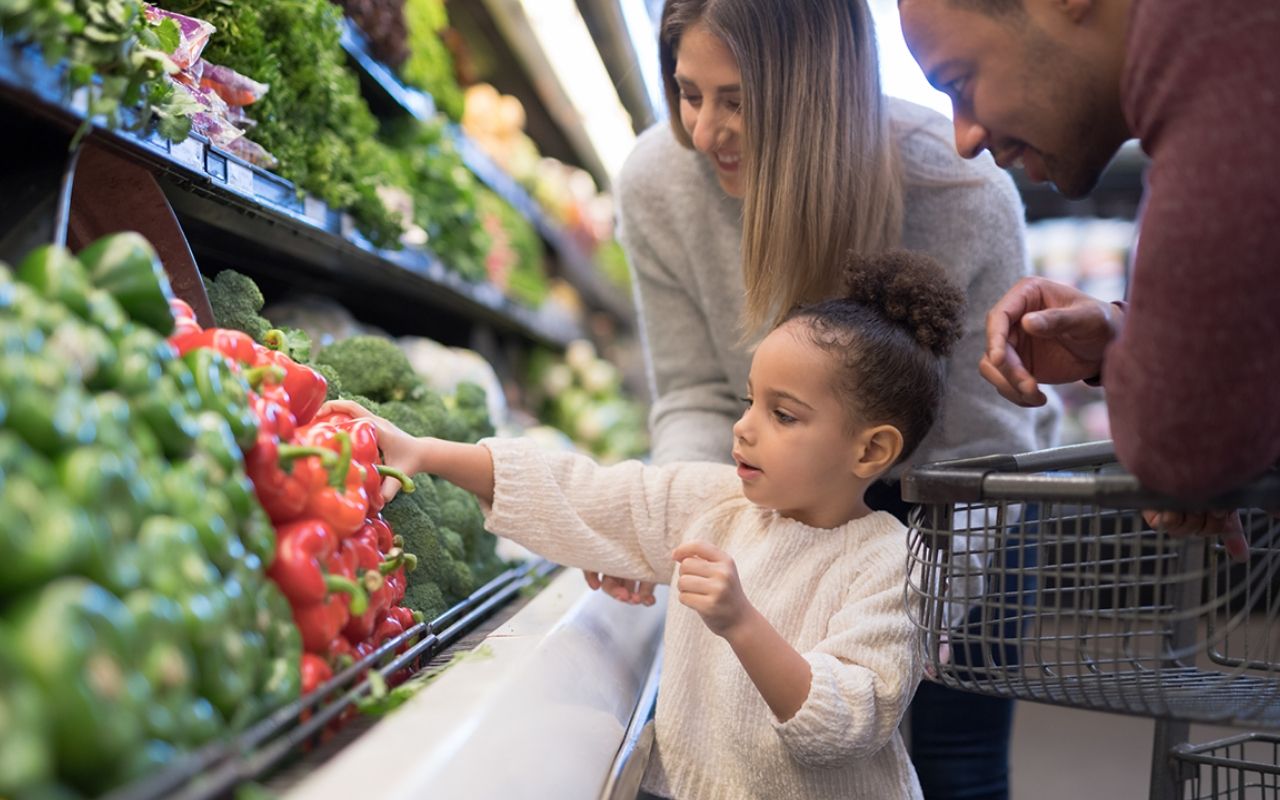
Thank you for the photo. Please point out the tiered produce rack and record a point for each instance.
(231, 205)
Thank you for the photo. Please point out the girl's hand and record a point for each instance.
(709, 585)
(399, 449)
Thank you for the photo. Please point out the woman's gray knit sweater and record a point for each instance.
(682, 235)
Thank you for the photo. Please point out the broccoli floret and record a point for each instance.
(373, 367)
(426, 597)
(414, 518)
(472, 405)
(453, 544)
(236, 301)
(334, 390)
(417, 419)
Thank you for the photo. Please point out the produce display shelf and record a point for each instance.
(256, 211)
(217, 769)
(386, 92)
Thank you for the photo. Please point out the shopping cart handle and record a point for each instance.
(1083, 473)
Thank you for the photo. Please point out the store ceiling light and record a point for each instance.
(575, 62)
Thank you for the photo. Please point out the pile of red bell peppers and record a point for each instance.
(319, 479)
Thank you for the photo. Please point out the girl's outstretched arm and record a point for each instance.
(468, 466)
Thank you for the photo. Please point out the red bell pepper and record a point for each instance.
(315, 672)
(306, 387)
(271, 406)
(406, 616)
(388, 628)
(235, 345)
(364, 544)
(320, 623)
(341, 501)
(301, 550)
(364, 451)
(283, 495)
(184, 319)
(341, 654)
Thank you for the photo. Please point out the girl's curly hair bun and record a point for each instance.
(911, 290)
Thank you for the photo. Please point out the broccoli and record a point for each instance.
(372, 366)
(469, 414)
(236, 301)
(414, 518)
(334, 390)
(424, 417)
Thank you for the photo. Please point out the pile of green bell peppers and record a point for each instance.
(136, 621)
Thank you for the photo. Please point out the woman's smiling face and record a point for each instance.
(711, 103)
(794, 446)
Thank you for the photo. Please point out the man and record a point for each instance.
(1191, 363)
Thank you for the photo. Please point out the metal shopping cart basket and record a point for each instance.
(1035, 577)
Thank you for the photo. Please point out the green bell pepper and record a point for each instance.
(166, 661)
(208, 511)
(142, 354)
(26, 746)
(105, 312)
(126, 265)
(174, 559)
(44, 408)
(225, 392)
(57, 275)
(77, 641)
(166, 410)
(43, 535)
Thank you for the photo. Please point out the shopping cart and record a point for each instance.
(1035, 577)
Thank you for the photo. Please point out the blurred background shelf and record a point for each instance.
(388, 96)
(239, 215)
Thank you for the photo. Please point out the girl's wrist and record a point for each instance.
(743, 631)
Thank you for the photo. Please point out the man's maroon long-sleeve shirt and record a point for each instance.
(1193, 382)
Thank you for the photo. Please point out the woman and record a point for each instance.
(782, 154)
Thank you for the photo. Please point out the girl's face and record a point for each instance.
(710, 103)
(795, 451)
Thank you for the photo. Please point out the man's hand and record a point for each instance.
(1225, 524)
(635, 593)
(709, 584)
(1042, 331)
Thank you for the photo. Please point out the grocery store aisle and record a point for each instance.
(1066, 754)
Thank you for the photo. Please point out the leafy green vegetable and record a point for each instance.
(446, 195)
(381, 701)
(314, 118)
(430, 64)
(113, 53)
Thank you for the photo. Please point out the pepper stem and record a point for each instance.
(275, 339)
(359, 598)
(338, 474)
(406, 483)
(372, 580)
(257, 375)
(289, 452)
(391, 562)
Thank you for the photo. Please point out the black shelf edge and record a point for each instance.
(578, 266)
(224, 191)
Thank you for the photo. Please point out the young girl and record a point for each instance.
(789, 657)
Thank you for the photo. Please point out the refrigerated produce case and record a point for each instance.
(218, 210)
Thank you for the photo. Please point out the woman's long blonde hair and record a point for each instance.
(821, 173)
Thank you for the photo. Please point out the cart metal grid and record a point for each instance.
(1241, 767)
(1035, 577)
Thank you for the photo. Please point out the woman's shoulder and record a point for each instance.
(926, 141)
(660, 172)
